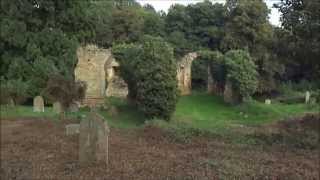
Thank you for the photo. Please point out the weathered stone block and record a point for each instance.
(38, 104)
(93, 139)
(57, 108)
(267, 101)
(230, 95)
(307, 97)
(72, 129)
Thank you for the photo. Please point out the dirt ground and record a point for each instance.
(39, 149)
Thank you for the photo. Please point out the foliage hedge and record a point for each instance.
(241, 71)
(150, 71)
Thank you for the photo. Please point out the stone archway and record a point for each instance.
(116, 86)
(184, 75)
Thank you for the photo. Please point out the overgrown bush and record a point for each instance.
(14, 89)
(199, 71)
(215, 60)
(157, 93)
(128, 55)
(64, 90)
(242, 73)
(150, 71)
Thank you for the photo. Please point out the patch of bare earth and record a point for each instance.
(39, 149)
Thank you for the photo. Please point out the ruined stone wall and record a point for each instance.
(184, 76)
(95, 67)
(184, 73)
(116, 85)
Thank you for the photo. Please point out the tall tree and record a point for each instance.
(39, 38)
(301, 26)
(248, 28)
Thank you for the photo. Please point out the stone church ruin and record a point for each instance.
(184, 75)
(100, 71)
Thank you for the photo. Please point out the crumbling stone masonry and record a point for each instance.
(184, 75)
(96, 67)
(100, 71)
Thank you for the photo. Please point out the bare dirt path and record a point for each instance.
(39, 149)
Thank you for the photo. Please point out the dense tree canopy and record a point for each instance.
(298, 43)
(39, 38)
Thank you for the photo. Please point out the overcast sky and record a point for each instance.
(165, 5)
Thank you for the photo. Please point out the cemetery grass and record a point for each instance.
(19, 111)
(206, 139)
(208, 113)
(198, 111)
(40, 149)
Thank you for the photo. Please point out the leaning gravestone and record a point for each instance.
(38, 104)
(57, 108)
(93, 139)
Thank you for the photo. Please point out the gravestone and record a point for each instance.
(230, 96)
(307, 97)
(38, 104)
(93, 139)
(267, 101)
(57, 108)
(74, 107)
(11, 102)
(72, 129)
(113, 111)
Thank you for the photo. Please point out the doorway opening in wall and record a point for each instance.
(199, 75)
(116, 70)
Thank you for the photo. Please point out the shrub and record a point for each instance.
(150, 71)
(242, 73)
(128, 55)
(215, 61)
(157, 84)
(64, 90)
(199, 71)
(15, 89)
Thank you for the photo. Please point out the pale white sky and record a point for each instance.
(165, 5)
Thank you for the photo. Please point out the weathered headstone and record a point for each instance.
(74, 107)
(57, 108)
(93, 139)
(11, 103)
(267, 101)
(230, 95)
(307, 97)
(38, 104)
(72, 129)
(113, 111)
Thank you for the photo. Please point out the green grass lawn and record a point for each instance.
(200, 110)
(207, 111)
(127, 116)
(27, 112)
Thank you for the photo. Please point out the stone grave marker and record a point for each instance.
(230, 96)
(267, 101)
(74, 107)
(57, 108)
(11, 102)
(93, 139)
(38, 104)
(307, 97)
(72, 129)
